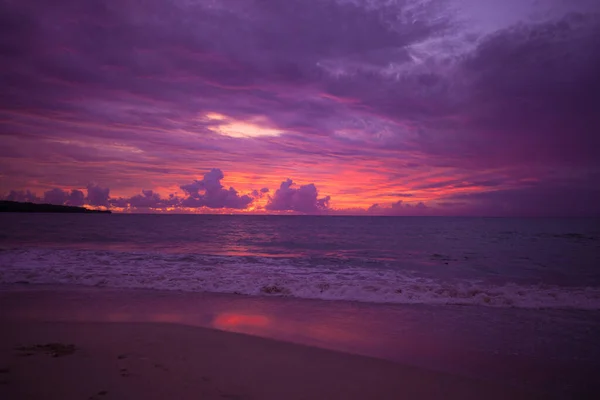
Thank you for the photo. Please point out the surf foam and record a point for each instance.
(274, 277)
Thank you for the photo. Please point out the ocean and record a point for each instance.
(487, 262)
(510, 300)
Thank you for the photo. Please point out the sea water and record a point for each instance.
(510, 300)
(488, 262)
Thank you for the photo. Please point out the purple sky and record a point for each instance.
(404, 107)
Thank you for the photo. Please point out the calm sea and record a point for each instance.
(488, 262)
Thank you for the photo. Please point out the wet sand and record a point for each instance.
(81, 360)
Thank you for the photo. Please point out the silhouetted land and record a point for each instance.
(16, 206)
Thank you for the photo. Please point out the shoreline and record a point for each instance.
(26, 286)
(154, 360)
(431, 293)
(531, 349)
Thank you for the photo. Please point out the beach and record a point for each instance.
(73, 343)
(158, 361)
(127, 360)
(366, 308)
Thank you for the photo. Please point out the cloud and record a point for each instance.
(23, 196)
(97, 196)
(167, 51)
(260, 193)
(460, 183)
(402, 96)
(302, 199)
(62, 197)
(207, 192)
(400, 208)
(56, 196)
(53, 196)
(528, 96)
(213, 195)
(76, 198)
(148, 199)
(576, 198)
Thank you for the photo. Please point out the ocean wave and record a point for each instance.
(263, 276)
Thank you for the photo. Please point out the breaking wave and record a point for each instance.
(264, 276)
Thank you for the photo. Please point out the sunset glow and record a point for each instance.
(415, 108)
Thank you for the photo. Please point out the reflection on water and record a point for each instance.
(344, 327)
(316, 332)
(560, 252)
(236, 322)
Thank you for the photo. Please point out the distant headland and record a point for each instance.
(16, 206)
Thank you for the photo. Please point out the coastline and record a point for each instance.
(7, 206)
(451, 341)
(154, 361)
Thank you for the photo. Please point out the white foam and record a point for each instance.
(274, 277)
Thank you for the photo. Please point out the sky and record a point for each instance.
(382, 107)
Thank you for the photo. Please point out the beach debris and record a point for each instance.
(51, 349)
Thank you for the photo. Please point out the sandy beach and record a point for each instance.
(75, 360)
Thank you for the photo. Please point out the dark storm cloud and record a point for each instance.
(303, 199)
